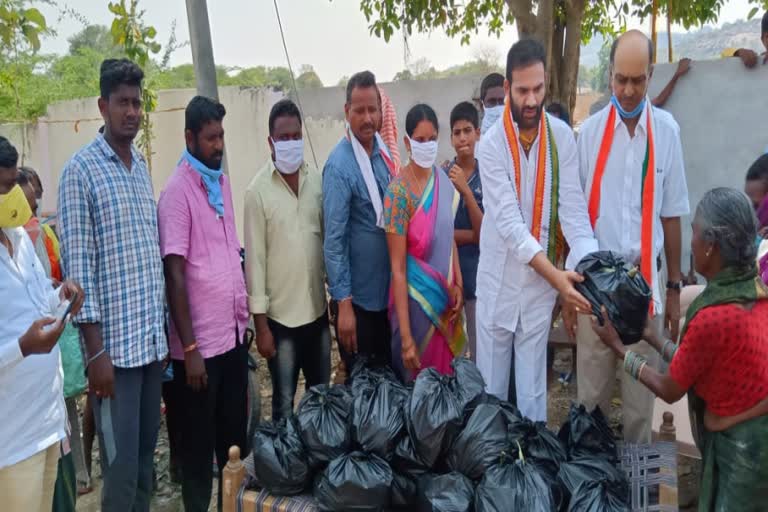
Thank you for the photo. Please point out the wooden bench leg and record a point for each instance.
(233, 476)
(668, 432)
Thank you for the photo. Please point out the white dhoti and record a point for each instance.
(494, 353)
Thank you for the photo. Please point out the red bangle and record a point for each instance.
(191, 347)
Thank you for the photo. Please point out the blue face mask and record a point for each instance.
(623, 113)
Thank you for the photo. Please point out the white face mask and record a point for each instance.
(423, 154)
(289, 155)
(491, 116)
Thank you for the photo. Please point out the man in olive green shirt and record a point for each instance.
(284, 263)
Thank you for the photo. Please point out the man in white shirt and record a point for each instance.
(632, 175)
(529, 167)
(31, 394)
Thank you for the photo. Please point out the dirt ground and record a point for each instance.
(561, 393)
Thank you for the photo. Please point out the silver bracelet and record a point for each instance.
(96, 356)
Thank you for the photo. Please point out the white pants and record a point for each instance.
(494, 353)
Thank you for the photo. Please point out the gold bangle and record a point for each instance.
(190, 348)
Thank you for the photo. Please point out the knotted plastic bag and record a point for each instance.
(514, 485)
(355, 481)
(598, 496)
(279, 460)
(481, 443)
(587, 434)
(378, 418)
(611, 282)
(324, 419)
(452, 492)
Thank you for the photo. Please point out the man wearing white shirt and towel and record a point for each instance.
(355, 177)
(632, 175)
(529, 169)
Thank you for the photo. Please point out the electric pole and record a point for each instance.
(202, 49)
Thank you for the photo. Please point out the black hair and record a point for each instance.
(615, 45)
(559, 110)
(764, 29)
(759, 169)
(23, 178)
(9, 157)
(417, 114)
(489, 82)
(117, 72)
(523, 54)
(362, 80)
(31, 176)
(283, 108)
(465, 111)
(200, 111)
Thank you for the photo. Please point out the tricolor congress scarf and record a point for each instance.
(545, 226)
(648, 193)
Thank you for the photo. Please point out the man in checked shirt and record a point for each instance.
(109, 242)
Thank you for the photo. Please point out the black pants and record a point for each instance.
(306, 348)
(212, 420)
(374, 337)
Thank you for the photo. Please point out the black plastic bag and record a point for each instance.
(378, 420)
(511, 486)
(537, 442)
(572, 474)
(510, 410)
(598, 496)
(406, 459)
(405, 491)
(324, 420)
(481, 443)
(279, 460)
(355, 481)
(548, 472)
(452, 492)
(587, 434)
(364, 374)
(611, 282)
(434, 409)
(468, 384)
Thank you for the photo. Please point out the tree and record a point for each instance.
(403, 75)
(308, 78)
(138, 42)
(95, 37)
(20, 31)
(600, 73)
(561, 25)
(342, 81)
(585, 78)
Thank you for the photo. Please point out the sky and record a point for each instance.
(330, 35)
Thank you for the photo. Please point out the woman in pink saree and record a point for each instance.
(426, 295)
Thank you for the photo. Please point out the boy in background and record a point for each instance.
(465, 175)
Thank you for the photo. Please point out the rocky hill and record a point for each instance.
(701, 44)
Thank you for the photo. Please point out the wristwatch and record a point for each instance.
(674, 285)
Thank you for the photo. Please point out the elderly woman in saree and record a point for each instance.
(722, 358)
(426, 295)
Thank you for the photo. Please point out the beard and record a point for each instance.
(526, 123)
(212, 162)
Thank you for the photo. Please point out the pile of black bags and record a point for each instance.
(438, 445)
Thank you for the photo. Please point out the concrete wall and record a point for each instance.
(721, 108)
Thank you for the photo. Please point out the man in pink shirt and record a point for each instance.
(207, 301)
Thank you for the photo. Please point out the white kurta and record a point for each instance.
(618, 223)
(514, 302)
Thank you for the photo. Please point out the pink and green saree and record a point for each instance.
(430, 273)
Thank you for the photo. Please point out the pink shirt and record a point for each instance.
(189, 227)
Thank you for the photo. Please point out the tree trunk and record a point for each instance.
(562, 43)
(569, 72)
